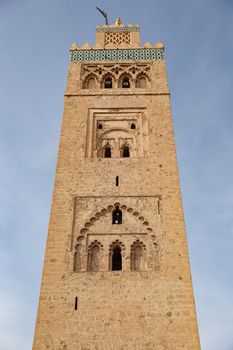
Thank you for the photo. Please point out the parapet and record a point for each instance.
(117, 42)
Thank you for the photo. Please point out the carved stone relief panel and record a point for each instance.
(94, 75)
(117, 129)
(96, 237)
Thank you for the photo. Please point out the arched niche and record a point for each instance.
(93, 257)
(137, 256)
(90, 82)
(141, 82)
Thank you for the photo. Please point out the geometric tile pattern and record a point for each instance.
(118, 29)
(119, 55)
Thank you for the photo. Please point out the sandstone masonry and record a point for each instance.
(116, 272)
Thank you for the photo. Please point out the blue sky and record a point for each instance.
(34, 38)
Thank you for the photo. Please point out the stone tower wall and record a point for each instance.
(83, 304)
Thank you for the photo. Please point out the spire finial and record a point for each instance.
(118, 21)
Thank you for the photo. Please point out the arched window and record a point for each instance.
(107, 152)
(125, 82)
(133, 126)
(100, 126)
(117, 216)
(125, 152)
(93, 258)
(116, 258)
(108, 83)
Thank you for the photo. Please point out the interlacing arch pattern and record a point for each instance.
(90, 257)
(117, 38)
(117, 73)
(84, 231)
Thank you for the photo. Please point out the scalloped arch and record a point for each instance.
(122, 76)
(87, 78)
(142, 74)
(109, 208)
(106, 75)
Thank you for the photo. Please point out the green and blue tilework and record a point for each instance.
(117, 55)
(118, 29)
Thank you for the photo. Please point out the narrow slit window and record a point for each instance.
(158, 207)
(117, 180)
(76, 303)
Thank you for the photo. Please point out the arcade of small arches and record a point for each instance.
(109, 82)
(116, 256)
(106, 151)
(113, 76)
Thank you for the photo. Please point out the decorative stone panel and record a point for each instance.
(116, 131)
(95, 234)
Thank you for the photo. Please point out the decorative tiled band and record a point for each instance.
(118, 29)
(117, 55)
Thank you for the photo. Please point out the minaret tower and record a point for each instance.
(116, 271)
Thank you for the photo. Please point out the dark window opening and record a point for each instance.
(100, 126)
(117, 180)
(133, 126)
(117, 216)
(125, 83)
(107, 152)
(76, 303)
(116, 259)
(108, 83)
(126, 153)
